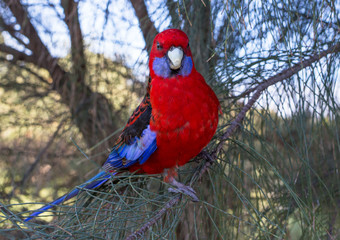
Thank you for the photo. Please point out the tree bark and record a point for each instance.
(145, 23)
(198, 28)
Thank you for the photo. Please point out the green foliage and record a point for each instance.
(276, 177)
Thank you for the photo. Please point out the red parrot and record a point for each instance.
(176, 119)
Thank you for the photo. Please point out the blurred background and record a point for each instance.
(71, 73)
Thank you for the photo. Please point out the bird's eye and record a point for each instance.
(188, 45)
(159, 47)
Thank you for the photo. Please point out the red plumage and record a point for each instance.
(184, 110)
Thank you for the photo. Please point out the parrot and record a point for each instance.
(176, 119)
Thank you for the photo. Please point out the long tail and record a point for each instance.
(90, 184)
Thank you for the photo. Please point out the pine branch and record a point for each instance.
(285, 74)
(139, 233)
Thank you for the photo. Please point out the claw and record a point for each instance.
(181, 188)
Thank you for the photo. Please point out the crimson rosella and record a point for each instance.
(175, 121)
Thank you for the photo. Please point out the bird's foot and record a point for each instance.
(181, 188)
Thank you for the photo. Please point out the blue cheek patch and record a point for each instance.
(186, 66)
(161, 67)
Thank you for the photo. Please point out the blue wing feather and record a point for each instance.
(138, 150)
(148, 152)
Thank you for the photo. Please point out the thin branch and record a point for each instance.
(247, 92)
(287, 73)
(139, 233)
(145, 23)
(17, 55)
(39, 50)
(219, 38)
(41, 57)
(311, 17)
(10, 29)
(42, 152)
(24, 67)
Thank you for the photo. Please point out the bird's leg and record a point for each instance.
(169, 177)
(184, 189)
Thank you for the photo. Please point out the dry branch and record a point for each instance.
(41, 153)
(145, 227)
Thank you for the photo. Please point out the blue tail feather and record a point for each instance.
(90, 184)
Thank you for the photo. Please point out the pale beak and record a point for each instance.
(175, 55)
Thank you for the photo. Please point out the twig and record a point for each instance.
(139, 233)
(17, 55)
(42, 152)
(63, 230)
(237, 122)
(247, 92)
(24, 67)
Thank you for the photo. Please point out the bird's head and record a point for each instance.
(170, 55)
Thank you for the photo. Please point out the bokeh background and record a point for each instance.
(71, 73)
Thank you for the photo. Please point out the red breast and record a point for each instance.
(184, 116)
